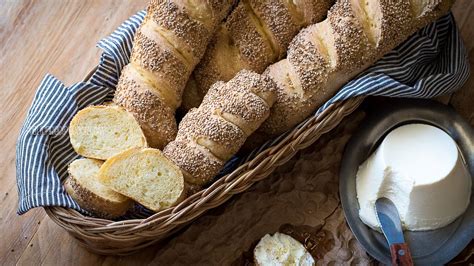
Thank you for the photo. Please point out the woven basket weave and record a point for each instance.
(124, 237)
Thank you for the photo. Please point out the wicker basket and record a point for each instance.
(124, 237)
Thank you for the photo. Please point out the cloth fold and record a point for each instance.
(431, 62)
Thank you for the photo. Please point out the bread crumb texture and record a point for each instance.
(146, 176)
(100, 132)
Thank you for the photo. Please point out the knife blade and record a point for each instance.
(389, 219)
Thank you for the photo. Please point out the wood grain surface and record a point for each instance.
(59, 37)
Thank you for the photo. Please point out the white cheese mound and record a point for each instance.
(420, 169)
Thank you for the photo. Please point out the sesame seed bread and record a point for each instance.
(281, 249)
(196, 162)
(145, 176)
(212, 130)
(325, 55)
(320, 59)
(102, 131)
(84, 187)
(255, 34)
(167, 46)
(210, 135)
(154, 115)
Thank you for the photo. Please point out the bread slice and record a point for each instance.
(146, 176)
(102, 131)
(281, 249)
(84, 187)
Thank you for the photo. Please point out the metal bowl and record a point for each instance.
(428, 247)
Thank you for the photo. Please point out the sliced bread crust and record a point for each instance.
(84, 187)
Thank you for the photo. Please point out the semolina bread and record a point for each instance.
(102, 131)
(326, 55)
(281, 249)
(84, 187)
(211, 134)
(146, 176)
(167, 46)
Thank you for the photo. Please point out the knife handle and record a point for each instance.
(400, 254)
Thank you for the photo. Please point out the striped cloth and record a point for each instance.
(430, 63)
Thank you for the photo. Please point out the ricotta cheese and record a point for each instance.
(420, 169)
(281, 249)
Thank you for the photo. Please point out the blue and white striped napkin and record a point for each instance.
(430, 63)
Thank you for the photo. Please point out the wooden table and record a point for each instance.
(59, 37)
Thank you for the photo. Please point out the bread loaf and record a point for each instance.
(84, 187)
(256, 34)
(211, 134)
(146, 176)
(102, 131)
(324, 56)
(167, 46)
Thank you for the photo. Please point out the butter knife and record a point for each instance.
(389, 219)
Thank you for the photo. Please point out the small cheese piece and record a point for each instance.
(281, 249)
(420, 169)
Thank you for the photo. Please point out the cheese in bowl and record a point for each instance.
(420, 169)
